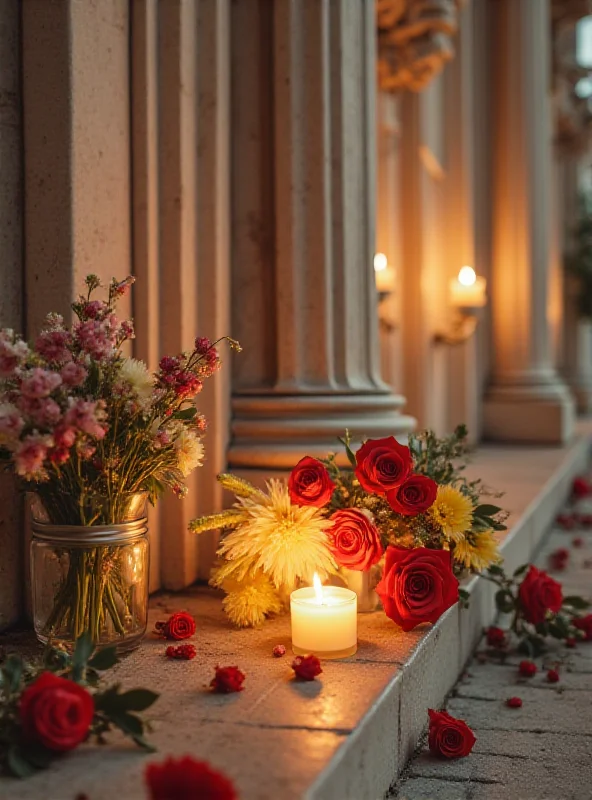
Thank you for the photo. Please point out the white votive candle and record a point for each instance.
(468, 290)
(325, 622)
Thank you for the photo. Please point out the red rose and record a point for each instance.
(56, 712)
(354, 540)
(527, 669)
(186, 779)
(309, 483)
(180, 625)
(581, 487)
(552, 676)
(414, 496)
(538, 594)
(417, 585)
(584, 624)
(382, 464)
(449, 737)
(306, 667)
(496, 637)
(514, 702)
(228, 680)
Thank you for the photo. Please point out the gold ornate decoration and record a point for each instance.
(415, 41)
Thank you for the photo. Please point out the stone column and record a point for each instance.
(527, 401)
(304, 300)
(11, 289)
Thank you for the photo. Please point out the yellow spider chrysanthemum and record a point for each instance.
(286, 541)
(249, 602)
(452, 511)
(477, 550)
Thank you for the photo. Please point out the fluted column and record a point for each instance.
(303, 232)
(527, 401)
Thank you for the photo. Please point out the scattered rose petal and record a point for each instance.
(581, 487)
(496, 637)
(228, 680)
(306, 667)
(279, 650)
(552, 676)
(514, 702)
(527, 668)
(577, 541)
(566, 521)
(181, 651)
(180, 625)
(559, 558)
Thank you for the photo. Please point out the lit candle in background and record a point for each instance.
(468, 290)
(384, 274)
(324, 621)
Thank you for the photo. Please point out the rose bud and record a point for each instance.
(552, 676)
(514, 702)
(449, 737)
(581, 487)
(527, 669)
(279, 650)
(228, 680)
(306, 667)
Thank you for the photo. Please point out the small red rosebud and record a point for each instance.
(227, 680)
(527, 668)
(559, 558)
(514, 702)
(581, 487)
(180, 625)
(182, 651)
(552, 676)
(577, 541)
(496, 637)
(570, 642)
(306, 667)
(279, 650)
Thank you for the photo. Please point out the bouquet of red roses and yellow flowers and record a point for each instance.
(403, 514)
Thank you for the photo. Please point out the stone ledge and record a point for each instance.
(344, 736)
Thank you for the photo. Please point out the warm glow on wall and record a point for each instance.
(467, 290)
(385, 274)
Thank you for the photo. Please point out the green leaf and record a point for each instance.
(521, 570)
(12, 670)
(504, 601)
(481, 525)
(185, 413)
(137, 699)
(576, 602)
(532, 646)
(18, 764)
(104, 659)
(132, 726)
(463, 598)
(83, 650)
(495, 569)
(37, 755)
(349, 452)
(498, 526)
(558, 628)
(486, 510)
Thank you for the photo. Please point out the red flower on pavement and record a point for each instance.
(584, 624)
(310, 484)
(558, 559)
(496, 637)
(279, 650)
(527, 669)
(181, 651)
(566, 521)
(382, 464)
(180, 625)
(187, 779)
(307, 667)
(538, 593)
(552, 676)
(514, 702)
(577, 541)
(581, 487)
(413, 497)
(56, 712)
(228, 680)
(449, 737)
(417, 585)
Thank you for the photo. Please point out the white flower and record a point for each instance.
(136, 374)
(190, 451)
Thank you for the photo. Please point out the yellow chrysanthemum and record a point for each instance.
(477, 550)
(452, 511)
(248, 603)
(286, 541)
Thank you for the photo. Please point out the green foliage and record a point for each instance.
(579, 261)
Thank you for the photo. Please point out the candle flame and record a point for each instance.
(467, 276)
(380, 262)
(318, 587)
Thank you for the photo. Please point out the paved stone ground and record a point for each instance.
(541, 751)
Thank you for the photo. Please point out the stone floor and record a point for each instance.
(542, 751)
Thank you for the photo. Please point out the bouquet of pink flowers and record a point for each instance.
(86, 428)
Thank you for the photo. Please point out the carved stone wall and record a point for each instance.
(415, 41)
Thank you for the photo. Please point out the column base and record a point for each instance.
(542, 414)
(273, 432)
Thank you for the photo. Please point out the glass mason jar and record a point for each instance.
(91, 577)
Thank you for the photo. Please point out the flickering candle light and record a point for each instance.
(467, 290)
(384, 274)
(324, 621)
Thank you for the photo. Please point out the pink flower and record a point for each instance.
(168, 364)
(126, 330)
(44, 412)
(97, 338)
(95, 309)
(59, 455)
(202, 345)
(187, 385)
(53, 345)
(12, 353)
(161, 439)
(64, 436)
(30, 455)
(86, 450)
(87, 416)
(122, 288)
(37, 383)
(11, 423)
(73, 374)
